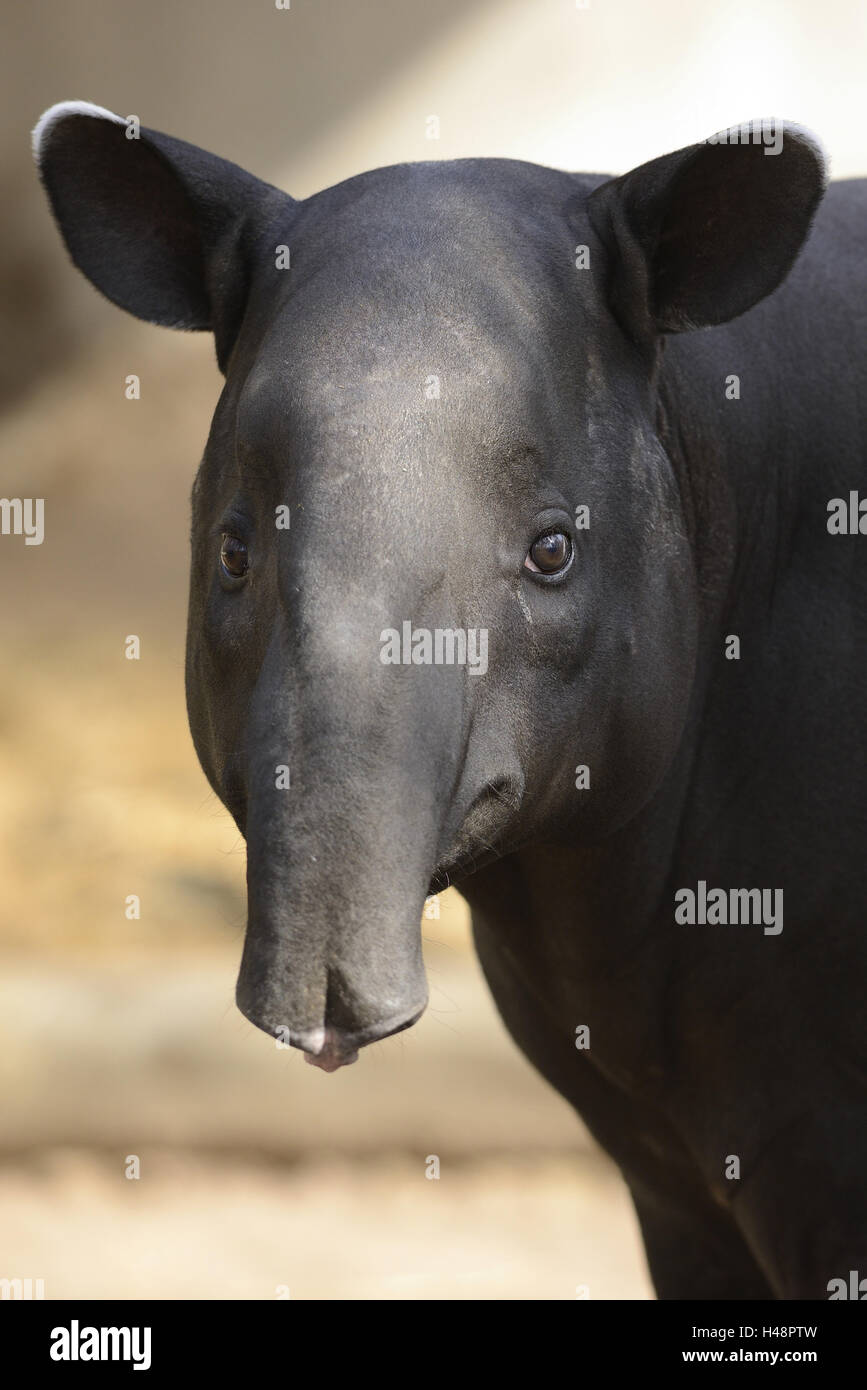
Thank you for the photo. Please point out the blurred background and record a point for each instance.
(119, 1038)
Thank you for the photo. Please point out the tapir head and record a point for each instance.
(441, 559)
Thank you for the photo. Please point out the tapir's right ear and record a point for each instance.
(164, 229)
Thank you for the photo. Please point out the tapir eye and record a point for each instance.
(549, 554)
(233, 556)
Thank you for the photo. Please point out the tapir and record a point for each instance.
(600, 429)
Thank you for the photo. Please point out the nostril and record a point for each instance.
(397, 1024)
(361, 1010)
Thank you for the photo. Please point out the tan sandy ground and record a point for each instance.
(258, 1171)
(198, 1227)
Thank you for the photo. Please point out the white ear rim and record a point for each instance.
(804, 133)
(809, 137)
(49, 119)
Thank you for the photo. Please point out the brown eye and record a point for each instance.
(233, 556)
(549, 554)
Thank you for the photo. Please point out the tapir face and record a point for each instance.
(443, 597)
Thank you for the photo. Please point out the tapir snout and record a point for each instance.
(339, 861)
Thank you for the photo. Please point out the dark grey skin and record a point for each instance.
(560, 387)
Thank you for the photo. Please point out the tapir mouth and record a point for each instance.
(482, 837)
(452, 872)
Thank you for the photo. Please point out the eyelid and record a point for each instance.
(234, 523)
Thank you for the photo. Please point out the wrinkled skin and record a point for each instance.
(559, 388)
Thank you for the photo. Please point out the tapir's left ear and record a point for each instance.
(697, 237)
(164, 229)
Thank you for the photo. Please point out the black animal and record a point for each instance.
(503, 576)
